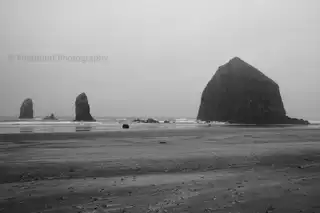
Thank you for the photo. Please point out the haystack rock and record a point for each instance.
(83, 108)
(26, 109)
(240, 93)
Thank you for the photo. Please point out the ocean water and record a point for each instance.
(10, 125)
(66, 124)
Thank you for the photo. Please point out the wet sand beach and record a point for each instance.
(207, 169)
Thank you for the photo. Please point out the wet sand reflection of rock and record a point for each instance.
(83, 128)
(26, 129)
(45, 129)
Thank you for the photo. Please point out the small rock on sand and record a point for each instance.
(125, 126)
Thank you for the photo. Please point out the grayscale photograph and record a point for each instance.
(160, 106)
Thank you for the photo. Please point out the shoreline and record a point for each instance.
(119, 132)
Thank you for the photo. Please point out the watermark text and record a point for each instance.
(57, 58)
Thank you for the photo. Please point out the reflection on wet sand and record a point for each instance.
(26, 129)
(83, 128)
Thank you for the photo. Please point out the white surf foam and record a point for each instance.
(47, 123)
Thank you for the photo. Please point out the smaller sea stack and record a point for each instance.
(26, 109)
(82, 108)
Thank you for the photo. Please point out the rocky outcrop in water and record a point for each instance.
(82, 108)
(240, 93)
(149, 120)
(50, 117)
(26, 109)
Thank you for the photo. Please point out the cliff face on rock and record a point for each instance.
(240, 93)
(83, 108)
(26, 109)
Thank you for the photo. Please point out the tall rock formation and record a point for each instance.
(26, 109)
(83, 108)
(240, 93)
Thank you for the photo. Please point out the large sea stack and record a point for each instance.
(240, 93)
(26, 109)
(83, 108)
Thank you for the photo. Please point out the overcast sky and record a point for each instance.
(161, 53)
